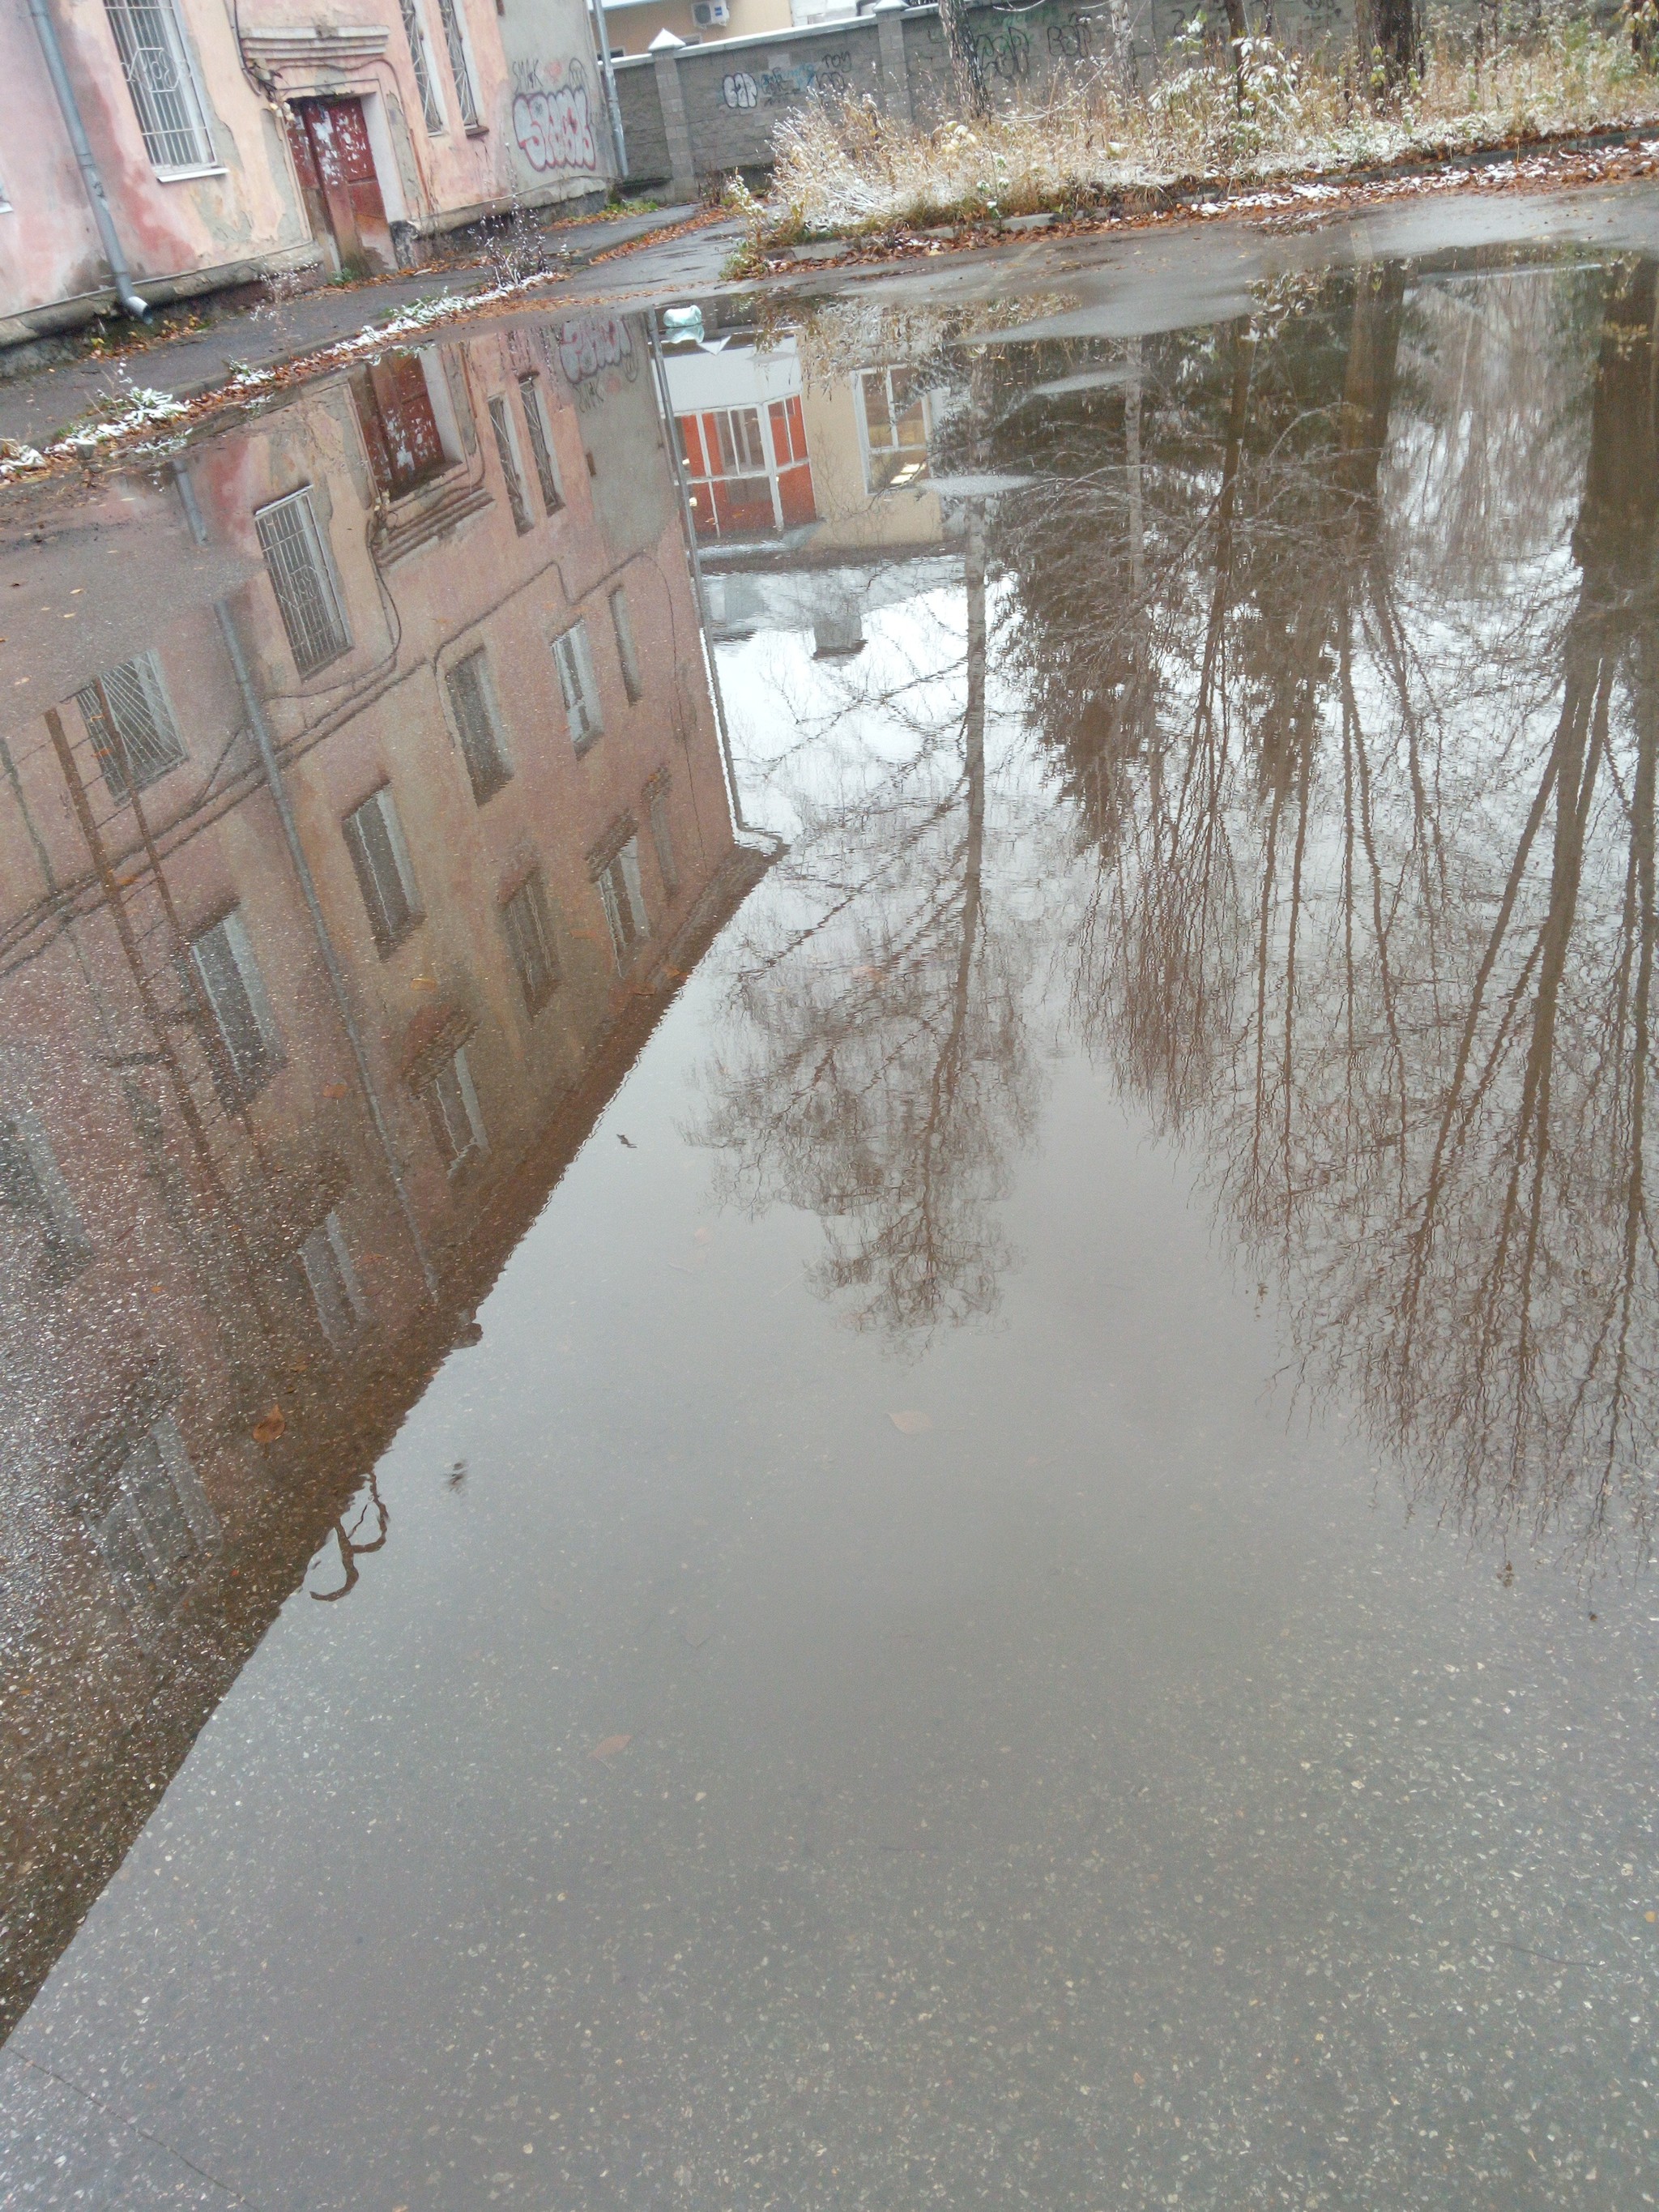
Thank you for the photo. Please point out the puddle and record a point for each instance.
(829, 1307)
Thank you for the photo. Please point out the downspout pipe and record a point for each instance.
(131, 303)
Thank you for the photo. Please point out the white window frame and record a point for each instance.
(913, 472)
(479, 659)
(627, 651)
(128, 19)
(438, 1112)
(315, 538)
(240, 946)
(386, 938)
(573, 658)
(326, 1248)
(624, 863)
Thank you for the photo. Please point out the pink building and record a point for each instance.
(159, 148)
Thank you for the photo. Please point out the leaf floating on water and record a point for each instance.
(269, 1426)
(423, 982)
(911, 1424)
(336, 1091)
(609, 1745)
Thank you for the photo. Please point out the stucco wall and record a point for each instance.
(552, 121)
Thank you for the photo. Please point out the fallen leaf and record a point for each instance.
(336, 1091)
(424, 982)
(609, 1745)
(912, 1423)
(269, 1426)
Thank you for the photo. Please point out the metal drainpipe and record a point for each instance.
(131, 302)
(608, 76)
(268, 761)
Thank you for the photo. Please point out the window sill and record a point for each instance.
(393, 945)
(189, 176)
(477, 130)
(582, 746)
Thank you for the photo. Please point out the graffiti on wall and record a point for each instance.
(552, 117)
(597, 356)
(788, 81)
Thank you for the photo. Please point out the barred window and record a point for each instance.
(150, 41)
(303, 579)
(541, 441)
(420, 56)
(482, 746)
(130, 724)
(449, 14)
(530, 939)
(507, 445)
(375, 838)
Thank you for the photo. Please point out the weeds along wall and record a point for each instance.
(694, 113)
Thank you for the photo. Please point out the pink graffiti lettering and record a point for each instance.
(588, 344)
(553, 129)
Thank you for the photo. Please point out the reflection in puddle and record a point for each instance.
(1230, 751)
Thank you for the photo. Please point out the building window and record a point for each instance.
(33, 1191)
(335, 1292)
(530, 939)
(574, 660)
(400, 427)
(130, 724)
(302, 576)
(662, 834)
(624, 900)
(156, 1522)
(893, 406)
(478, 726)
(507, 445)
(541, 441)
(161, 78)
(449, 14)
(375, 838)
(452, 1106)
(748, 477)
(229, 980)
(627, 654)
(420, 57)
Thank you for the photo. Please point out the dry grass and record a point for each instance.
(846, 169)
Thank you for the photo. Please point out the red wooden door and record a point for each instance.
(337, 173)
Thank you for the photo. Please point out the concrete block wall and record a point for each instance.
(692, 114)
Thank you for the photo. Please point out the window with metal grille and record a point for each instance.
(302, 576)
(420, 57)
(325, 1261)
(475, 724)
(130, 724)
(157, 1521)
(507, 445)
(161, 78)
(228, 976)
(623, 897)
(449, 14)
(626, 653)
(662, 836)
(375, 837)
(451, 1108)
(530, 939)
(541, 442)
(573, 658)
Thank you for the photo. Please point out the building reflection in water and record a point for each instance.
(372, 807)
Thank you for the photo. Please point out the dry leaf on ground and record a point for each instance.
(609, 1745)
(911, 1424)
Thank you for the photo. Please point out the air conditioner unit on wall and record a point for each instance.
(706, 13)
